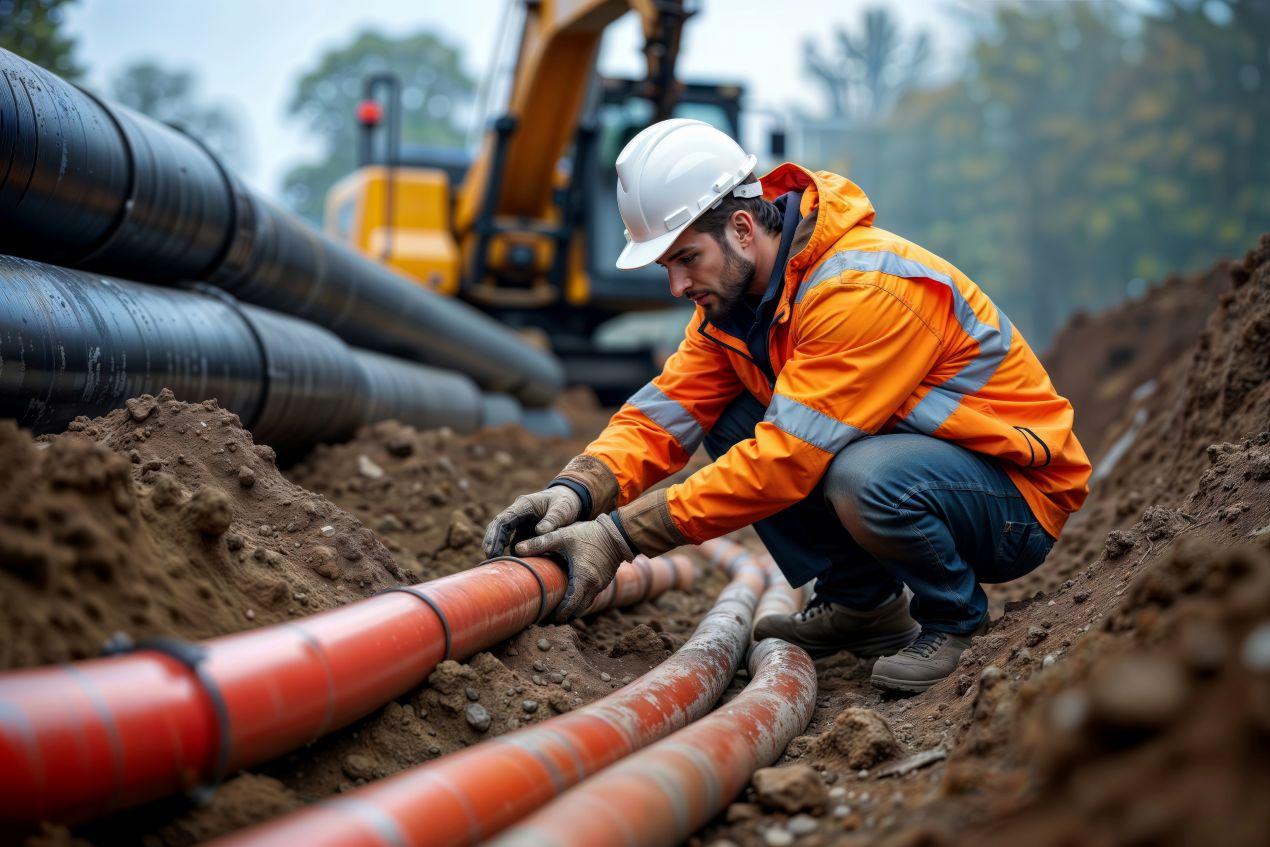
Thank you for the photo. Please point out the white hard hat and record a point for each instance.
(668, 176)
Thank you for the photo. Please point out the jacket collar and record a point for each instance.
(831, 205)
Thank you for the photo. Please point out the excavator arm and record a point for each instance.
(515, 174)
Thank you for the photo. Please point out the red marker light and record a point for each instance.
(369, 113)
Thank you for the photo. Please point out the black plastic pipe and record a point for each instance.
(73, 343)
(95, 186)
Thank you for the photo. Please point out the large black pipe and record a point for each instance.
(96, 186)
(73, 343)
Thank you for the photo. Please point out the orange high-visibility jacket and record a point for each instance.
(872, 334)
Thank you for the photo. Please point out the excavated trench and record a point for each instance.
(1121, 696)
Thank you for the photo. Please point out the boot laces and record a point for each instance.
(814, 609)
(926, 644)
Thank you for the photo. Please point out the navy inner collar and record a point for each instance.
(753, 320)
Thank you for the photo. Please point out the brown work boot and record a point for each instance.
(825, 628)
(923, 663)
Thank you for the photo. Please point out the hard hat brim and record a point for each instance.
(637, 254)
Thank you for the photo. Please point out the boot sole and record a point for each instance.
(871, 648)
(905, 686)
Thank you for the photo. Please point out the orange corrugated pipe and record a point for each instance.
(662, 794)
(780, 598)
(474, 793)
(82, 739)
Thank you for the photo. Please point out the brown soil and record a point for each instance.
(1101, 361)
(1122, 695)
(163, 518)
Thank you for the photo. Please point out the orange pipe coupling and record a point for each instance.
(662, 794)
(472, 794)
(82, 739)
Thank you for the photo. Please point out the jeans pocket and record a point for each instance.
(1021, 549)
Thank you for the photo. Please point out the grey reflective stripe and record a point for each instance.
(670, 416)
(816, 428)
(870, 260)
(994, 342)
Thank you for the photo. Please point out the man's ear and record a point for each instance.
(743, 226)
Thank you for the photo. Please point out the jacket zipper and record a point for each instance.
(771, 381)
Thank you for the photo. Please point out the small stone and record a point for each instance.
(537, 679)
(434, 749)
(555, 677)
(544, 645)
(567, 685)
(838, 792)
(139, 408)
(790, 789)
(989, 675)
(738, 812)
(477, 717)
(540, 666)
(802, 825)
(1118, 543)
(246, 476)
(860, 737)
(1255, 653)
(863, 773)
(471, 694)
(777, 837)
(529, 706)
(210, 511)
(358, 767)
(1049, 660)
(1139, 693)
(251, 614)
(841, 811)
(369, 469)
(963, 684)
(234, 541)
(1035, 635)
(1080, 596)
(328, 530)
(604, 677)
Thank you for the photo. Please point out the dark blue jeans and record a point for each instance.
(896, 510)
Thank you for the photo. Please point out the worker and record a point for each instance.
(882, 424)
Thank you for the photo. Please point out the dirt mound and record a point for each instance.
(1100, 361)
(163, 518)
(429, 493)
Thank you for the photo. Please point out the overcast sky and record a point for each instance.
(249, 53)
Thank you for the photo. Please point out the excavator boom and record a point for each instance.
(557, 51)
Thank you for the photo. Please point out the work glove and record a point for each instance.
(551, 508)
(592, 551)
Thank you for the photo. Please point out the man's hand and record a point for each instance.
(553, 508)
(593, 549)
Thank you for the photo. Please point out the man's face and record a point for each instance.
(714, 276)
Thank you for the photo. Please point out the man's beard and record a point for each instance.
(734, 284)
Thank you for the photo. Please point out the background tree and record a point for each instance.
(171, 96)
(33, 30)
(436, 93)
(871, 69)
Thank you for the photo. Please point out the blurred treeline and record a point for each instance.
(1084, 150)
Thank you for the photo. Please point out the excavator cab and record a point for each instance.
(619, 115)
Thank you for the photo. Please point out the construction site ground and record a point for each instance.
(1121, 695)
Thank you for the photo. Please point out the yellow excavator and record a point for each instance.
(528, 229)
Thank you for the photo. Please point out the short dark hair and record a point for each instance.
(714, 222)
